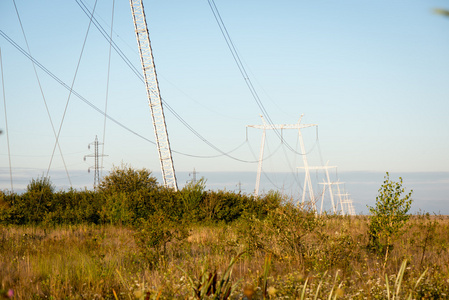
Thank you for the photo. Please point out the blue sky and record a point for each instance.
(372, 74)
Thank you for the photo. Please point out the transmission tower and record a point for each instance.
(339, 194)
(240, 187)
(193, 174)
(348, 203)
(96, 167)
(328, 183)
(265, 127)
(153, 94)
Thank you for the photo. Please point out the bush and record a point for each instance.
(34, 204)
(191, 197)
(127, 180)
(224, 206)
(153, 236)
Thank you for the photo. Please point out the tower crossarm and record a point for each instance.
(266, 126)
(281, 126)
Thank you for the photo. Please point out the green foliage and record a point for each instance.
(440, 11)
(191, 197)
(127, 180)
(155, 234)
(290, 223)
(223, 206)
(281, 231)
(338, 249)
(115, 209)
(33, 205)
(40, 185)
(4, 206)
(388, 216)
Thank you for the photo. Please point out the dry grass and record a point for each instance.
(93, 262)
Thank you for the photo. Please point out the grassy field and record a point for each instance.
(301, 257)
(134, 239)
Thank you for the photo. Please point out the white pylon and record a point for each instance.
(339, 194)
(265, 127)
(329, 184)
(308, 183)
(153, 94)
(348, 203)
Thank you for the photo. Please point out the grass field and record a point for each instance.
(286, 260)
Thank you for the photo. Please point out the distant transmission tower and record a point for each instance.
(193, 174)
(265, 127)
(240, 187)
(96, 157)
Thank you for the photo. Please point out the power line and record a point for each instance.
(43, 96)
(243, 71)
(71, 89)
(107, 85)
(6, 122)
(137, 73)
(110, 40)
(79, 96)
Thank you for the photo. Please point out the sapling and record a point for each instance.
(388, 216)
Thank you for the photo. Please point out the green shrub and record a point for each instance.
(115, 209)
(33, 205)
(224, 206)
(191, 197)
(290, 223)
(127, 180)
(154, 235)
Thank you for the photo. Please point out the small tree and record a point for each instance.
(388, 216)
(125, 179)
(41, 185)
(192, 199)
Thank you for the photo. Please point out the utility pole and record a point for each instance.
(96, 156)
(265, 127)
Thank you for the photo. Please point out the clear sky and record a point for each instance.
(374, 76)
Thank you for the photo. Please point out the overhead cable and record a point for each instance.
(140, 76)
(243, 71)
(70, 90)
(74, 92)
(107, 88)
(6, 122)
(43, 96)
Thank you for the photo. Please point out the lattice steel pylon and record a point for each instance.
(153, 93)
(96, 165)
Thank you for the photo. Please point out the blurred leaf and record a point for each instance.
(441, 12)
